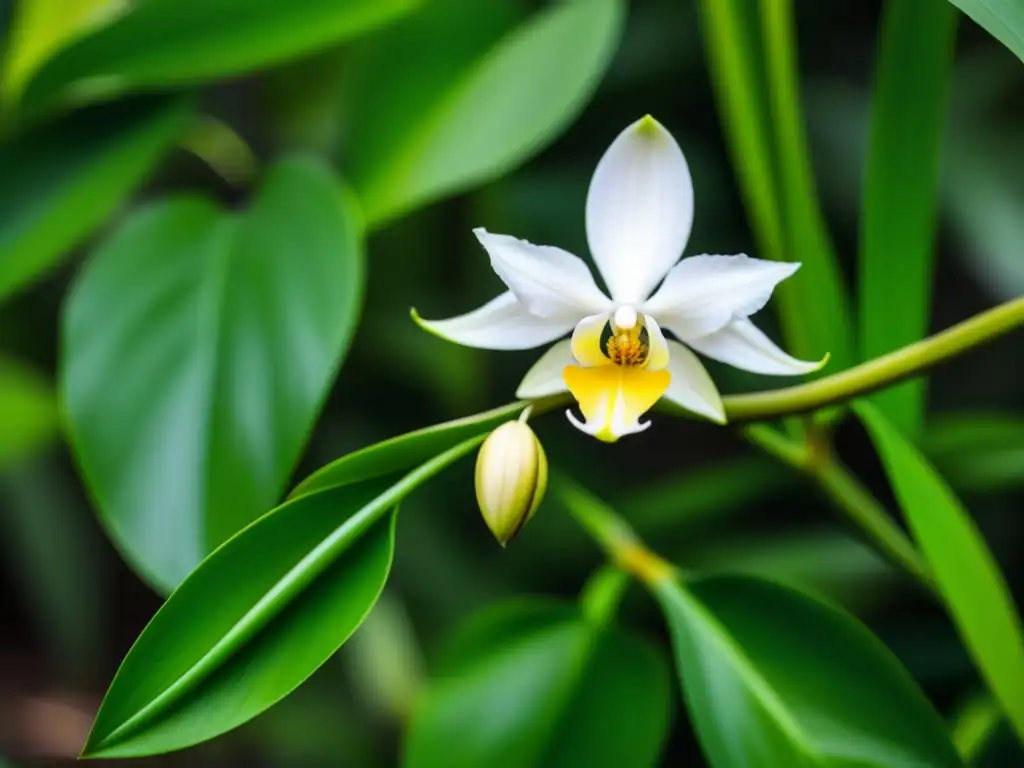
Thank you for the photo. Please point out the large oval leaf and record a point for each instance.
(976, 595)
(61, 181)
(532, 683)
(772, 677)
(454, 116)
(257, 617)
(249, 625)
(405, 451)
(197, 348)
(901, 190)
(168, 42)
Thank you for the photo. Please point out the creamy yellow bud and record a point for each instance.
(511, 477)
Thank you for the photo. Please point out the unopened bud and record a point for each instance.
(511, 477)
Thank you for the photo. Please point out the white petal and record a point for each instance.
(639, 210)
(548, 281)
(742, 345)
(545, 377)
(704, 293)
(691, 386)
(658, 355)
(501, 323)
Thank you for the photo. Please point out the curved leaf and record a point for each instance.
(977, 451)
(257, 617)
(460, 121)
(249, 625)
(976, 595)
(1003, 19)
(62, 181)
(525, 683)
(772, 677)
(408, 450)
(901, 190)
(197, 348)
(169, 42)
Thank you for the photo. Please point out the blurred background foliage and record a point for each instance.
(412, 114)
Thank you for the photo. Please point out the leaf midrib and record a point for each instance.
(760, 687)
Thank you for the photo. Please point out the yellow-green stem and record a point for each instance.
(880, 372)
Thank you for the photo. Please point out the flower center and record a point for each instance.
(625, 346)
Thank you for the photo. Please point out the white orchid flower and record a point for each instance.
(618, 363)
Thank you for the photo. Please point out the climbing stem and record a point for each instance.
(880, 372)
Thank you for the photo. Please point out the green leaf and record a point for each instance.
(42, 26)
(61, 181)
(1003, 19)
(901, 191)
(405, 451)
(818, 319)
(171, 42)
(189, 405)
(256, 618)
(976, 595)
(531, 683)
(28, 412)
(979, 452)
(763, 124)
(454, 117)
(773, 677)
(249, 625)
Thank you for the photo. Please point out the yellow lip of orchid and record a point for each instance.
(618, 363)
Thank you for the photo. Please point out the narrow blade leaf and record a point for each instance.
(1003, 19)
(968, 577)
(901, 190)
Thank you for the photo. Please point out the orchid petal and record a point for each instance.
(742, 345)
(545, 377)
(586, 340)
(691, 386)
(639, 210)
(548, 281)
(657, 357)
(613, 397)
(704, 293)
(502, 323)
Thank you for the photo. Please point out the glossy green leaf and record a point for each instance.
(42, 26)
(976, 595)
(1003, 19)
(257, 617)
(249, 625)
(61, 181)
(189, 405)
(424, 128)
(820, 322)
(977, 451)
(405, 451)
(170, 42)
(901, 191)
(28, 412)
(531, 683)
(773, 677)
(763, 123)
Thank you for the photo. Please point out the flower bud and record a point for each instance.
(511, 477)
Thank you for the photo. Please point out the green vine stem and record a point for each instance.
(814, 458)
(880, 372)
